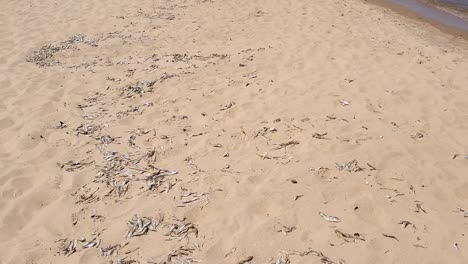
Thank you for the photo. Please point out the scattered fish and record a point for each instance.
(344, 102)
(330, 218)
(460, 155)
(320, 135)
(405, 224)
(139, 226)
(93, 243)
(465, 213)
(247, 260)
(61, 125)
(285, 229)
(349, 237)
(417, 135)
(351, 166)
(182, 230)
(283, 259)
(419, 208)
(390, 236)
(285, 144)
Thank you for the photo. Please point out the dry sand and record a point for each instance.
(258, 105)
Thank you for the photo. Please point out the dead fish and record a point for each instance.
(283, 260)
(61, 125)
(390, 236)
(419, 208)
(246, 260)
(265, 156)
(285, 229)
(191, 200)
(351, 166)
(344, 102)
(106, 139)
(405, 224)
(460, 155)
(320, 135)
(110, 250)
(124, 260)
(349, 237)
(230, 252)
(92, 243)
(417, 135)
(419, 246)
(150, 156)
(180, 255)
(298, 196)
(330, 218)
(72, 247)
(67, 247)
(139, 226)
(462, 211)
(264, 131)
(372, 168)
(182, 230)
(285, 144)
(228, 106)
(324, 259)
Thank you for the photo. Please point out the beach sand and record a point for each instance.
(245, 131)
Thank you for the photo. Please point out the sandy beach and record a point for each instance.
(243, 132)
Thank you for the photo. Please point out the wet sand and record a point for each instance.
(230, 132)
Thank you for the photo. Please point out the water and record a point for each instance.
(437, 15)
(461, 4)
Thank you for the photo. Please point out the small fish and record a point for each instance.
(330, 218)
(462, 211)
(285, 144)
(405, 224)
(61, 125)
(417, 135)
(191, 200)
(228, 106)
(372, 167)
(349, 237)
(285, 229)
(344, 102)
(92, 243)
(297, 197)
(246, 260)
(419, 246)
(283, 260)
(390, 236)
(460, 155)
(230, 252)
(320, 135)
(419, 208)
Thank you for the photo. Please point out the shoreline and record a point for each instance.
(436, 15)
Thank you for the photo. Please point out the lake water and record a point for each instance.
(462, 4)
(423, 9)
